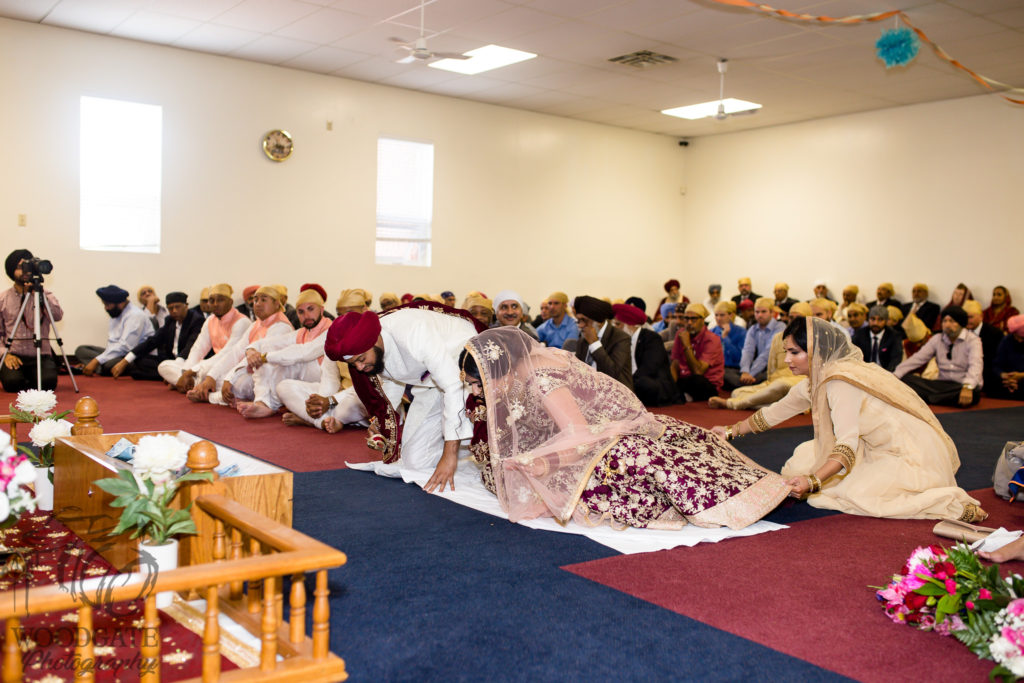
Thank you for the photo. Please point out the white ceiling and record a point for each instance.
(798, 71)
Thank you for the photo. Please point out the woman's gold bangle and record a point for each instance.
(728, 433)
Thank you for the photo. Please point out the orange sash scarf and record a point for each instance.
(220, 329)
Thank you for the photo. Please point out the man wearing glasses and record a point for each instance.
(698, 362)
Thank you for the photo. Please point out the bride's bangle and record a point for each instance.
(736, 429)
(728, 433)
(814, 484)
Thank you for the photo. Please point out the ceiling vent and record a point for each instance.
(643, 59)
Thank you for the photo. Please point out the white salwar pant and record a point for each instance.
(293, 394)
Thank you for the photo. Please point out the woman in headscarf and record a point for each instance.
(961, 293)
(555, 438)
(1000, 310)
(877, 450)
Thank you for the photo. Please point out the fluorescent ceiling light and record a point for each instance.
(705, 109)
(483, 59)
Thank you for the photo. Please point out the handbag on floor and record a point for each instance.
(1008, 479)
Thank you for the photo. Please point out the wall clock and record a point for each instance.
(277, 145)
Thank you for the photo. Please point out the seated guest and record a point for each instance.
(228, 372)
(224, 327)
(323, 295)
(746, 292)
(821, 291)
(698, 364)
(782, 298)
(19, 370)
(601, 345)
(173, 340)
(961, 295)
(1009, 362)
(245, 308)
(642, 305)
(150, 303)
(732, 336)
(672, 322)
(926, 311)
(856, 318)
(286, 308)
(878, 341)
(779, 378)
(662, 320)
(884, 295)
(276, 358)
(542, 317)
(389, 300)
(745, 314)
(959, 357)
(652, 381)
(448, 298)
(130, 326)
(203, 307)
(481, 308)
(672, 295)
(895, 322)
(559, 326)
(850, 295)
(329, 404)
(510, 308)
(1001, 309)
(353, 300)
(990, 338)
(824, 309)
(714, 296)
(756, 346)
(915, 335)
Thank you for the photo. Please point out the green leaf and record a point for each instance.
(196, 476)
(931, 589)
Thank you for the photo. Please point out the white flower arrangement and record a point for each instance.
(158, 457)
(45, 432)
(1007, 646)
(36, 402)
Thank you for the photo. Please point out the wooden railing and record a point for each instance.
(252, 555)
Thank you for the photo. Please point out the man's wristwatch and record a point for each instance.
(332, 403)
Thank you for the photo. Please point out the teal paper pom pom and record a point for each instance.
(897, 46)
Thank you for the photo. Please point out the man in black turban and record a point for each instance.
(601, 344)
(18, 371)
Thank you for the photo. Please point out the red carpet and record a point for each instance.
(818, 608)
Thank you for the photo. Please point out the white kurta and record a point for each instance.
(903, 468)
(294, 393)
(171, 370)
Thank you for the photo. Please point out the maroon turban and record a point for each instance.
(746, 303)
(670, 284)
(407, 298)
(352, 334)
(628, 314)
(316, 288)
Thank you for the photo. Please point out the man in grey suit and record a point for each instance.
(602, 345)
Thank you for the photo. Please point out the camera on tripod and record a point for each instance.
(36, 267)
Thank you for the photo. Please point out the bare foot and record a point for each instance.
(331, 425)
(717, 402)
(1011, 551)
(293, 420)
(255, 410)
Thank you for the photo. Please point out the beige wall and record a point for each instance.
(522, 200)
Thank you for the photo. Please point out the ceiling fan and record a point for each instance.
(722, 114)
(417, 50)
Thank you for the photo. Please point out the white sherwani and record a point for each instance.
(171, 370)
(230, 363)
(294, 393)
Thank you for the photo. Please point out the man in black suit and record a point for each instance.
(990, 337)
(601, 345)
(878, 342)
(173, 340)
(652, 380)
(926, 311)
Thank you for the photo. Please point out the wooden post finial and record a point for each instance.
(202, 457)
(86, 412)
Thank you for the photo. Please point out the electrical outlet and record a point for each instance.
(330, 125)
(22, 220)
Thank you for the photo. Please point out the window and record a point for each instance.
(405, 202)
(120, 155)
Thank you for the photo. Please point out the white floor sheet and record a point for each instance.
(470, 491)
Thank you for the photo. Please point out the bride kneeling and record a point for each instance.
(556, 438)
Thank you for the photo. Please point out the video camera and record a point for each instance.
(36, 267)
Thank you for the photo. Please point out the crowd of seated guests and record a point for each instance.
(725, 351)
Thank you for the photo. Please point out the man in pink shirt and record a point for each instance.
(698, 362)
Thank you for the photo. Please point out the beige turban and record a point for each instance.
(558, 296)
(138, 295)
(826, 304)
(223, 289)
(354, 297)
(781, 285)
(272, 291)
(743, 281)
(801, 308)
(389, 298)
(895, 314)
(309, 296)
(472, 301)
(915, 329)
(764, 302)
(698, 309)
(887, 286)
(972, 307)
(855, 306)
(283, 290)
(205, 294)
(725, 307)
(852, 288)
(922, 286)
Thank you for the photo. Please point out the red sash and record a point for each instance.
(383, 416)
